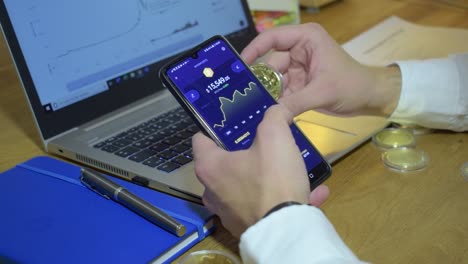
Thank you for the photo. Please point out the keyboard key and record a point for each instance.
(189, 154)
(184, 134)
(142, 144)
(178, 126)
(145, 131)
(142, 155)
(159, 147)
(155, 137)
(172, 140)
(181, 160)
(181, 148)
(99, 145)
(135, 136)
(122, 143)
(153, 162)
(110, 148)
(167, 154)
(193, 129)
(167, 132)
(110, 140)
(162, 124)
(149, 130)
(187, 121)
(168, 166)
(126, 151)
(172, 118)
(188, 142)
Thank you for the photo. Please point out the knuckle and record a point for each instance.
(315, 27)
(201, 170)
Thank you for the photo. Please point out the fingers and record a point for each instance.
(278, 117)
(319, 195)
(205, 154)
(314, 96)
(279, 60)
(281, 39)
(203, 144)
(298, 101)
(275, 127)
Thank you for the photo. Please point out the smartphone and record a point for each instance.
(227, 101)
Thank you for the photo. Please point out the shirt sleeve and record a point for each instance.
(434, 93)
(294, 234)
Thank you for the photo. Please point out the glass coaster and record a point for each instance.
(405, 159)
(394, 138)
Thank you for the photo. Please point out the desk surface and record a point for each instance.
(383, 216)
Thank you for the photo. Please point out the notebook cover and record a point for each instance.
(49, 217)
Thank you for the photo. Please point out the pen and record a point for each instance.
(111, 190)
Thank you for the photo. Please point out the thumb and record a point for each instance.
(319, 195)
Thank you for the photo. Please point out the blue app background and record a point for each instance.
(230, 98)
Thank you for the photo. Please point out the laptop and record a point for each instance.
(90, 74)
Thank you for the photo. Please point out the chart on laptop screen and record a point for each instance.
(76, 49)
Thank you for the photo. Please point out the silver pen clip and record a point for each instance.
(83, 181)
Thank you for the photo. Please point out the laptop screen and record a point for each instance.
(86, 58)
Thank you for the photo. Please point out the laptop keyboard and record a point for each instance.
(163, 142)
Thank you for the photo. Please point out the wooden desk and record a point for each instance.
(383, 216)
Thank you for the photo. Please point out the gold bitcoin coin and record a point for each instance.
(272, 80)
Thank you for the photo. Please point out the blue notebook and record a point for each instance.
(48, 216)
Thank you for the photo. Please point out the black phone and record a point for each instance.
(227, 101)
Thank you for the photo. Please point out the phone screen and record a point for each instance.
(223, 91)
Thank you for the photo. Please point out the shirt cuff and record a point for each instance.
(429, 92)
(294, 234)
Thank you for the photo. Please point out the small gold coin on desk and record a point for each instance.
(271, 79)
(405, 159)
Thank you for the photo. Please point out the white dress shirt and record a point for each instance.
(434, 94)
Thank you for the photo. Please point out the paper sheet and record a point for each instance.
(396, 39)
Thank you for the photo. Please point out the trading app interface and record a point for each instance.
(229, 97)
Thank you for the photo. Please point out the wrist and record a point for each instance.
(281, 206)
(386, 89)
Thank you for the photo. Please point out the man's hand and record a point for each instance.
(320, 75)
(242, 186)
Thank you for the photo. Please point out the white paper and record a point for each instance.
(396, 39)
